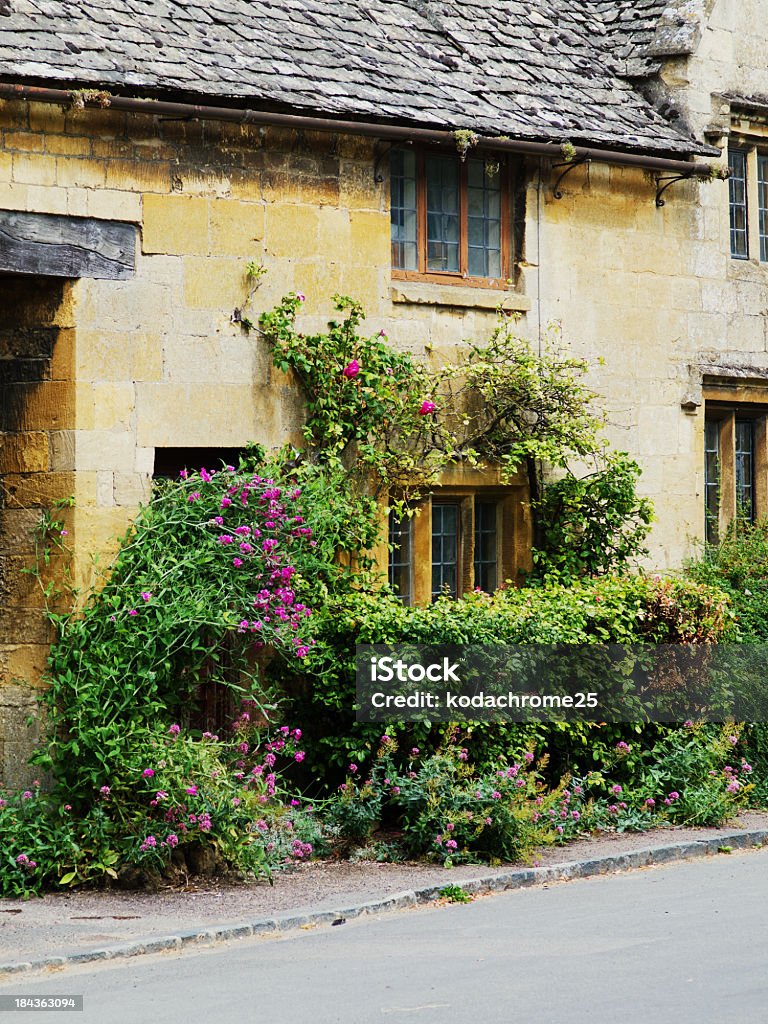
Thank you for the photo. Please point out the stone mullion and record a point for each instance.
(760, 474)
(422, 554)
(753, 219)
(727, 472)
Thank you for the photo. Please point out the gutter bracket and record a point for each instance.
(569, 166)
(670, 180)
(378, 177)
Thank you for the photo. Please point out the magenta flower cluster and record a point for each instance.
(267, 526)
(194, 808)
(259, 526)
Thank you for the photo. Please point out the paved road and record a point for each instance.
(686, 944)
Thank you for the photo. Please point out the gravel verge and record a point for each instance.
(70, 928)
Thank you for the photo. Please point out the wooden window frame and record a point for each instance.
(512, 538)
(726, 414)
(506, 228)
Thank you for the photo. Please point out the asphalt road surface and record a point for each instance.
(684, 944)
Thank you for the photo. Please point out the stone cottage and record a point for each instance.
(150, 148)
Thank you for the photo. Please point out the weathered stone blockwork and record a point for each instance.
(100, 374)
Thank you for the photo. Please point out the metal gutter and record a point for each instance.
(401, 133)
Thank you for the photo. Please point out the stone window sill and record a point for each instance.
(426, 294)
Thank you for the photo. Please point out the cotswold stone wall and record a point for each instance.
(642, 293)
(129, 369)
(139, 366)
(36, 421)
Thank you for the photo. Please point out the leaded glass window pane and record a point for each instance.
(762, 204)
(737, 186)
(745, 450)
(400, 557)
(712, 479)
(486, 557)
(445, 550)
(403, 218)
(484, 218)
(442, 213)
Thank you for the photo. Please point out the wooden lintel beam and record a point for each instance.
(57, 246)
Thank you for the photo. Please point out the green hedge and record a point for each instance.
(609, 609)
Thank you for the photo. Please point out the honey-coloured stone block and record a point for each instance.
(24, 453)
(215, 283)
(80, 173)
(292, 230)
(28, 142)
(235, 227)
(174, 224)
(34, 170)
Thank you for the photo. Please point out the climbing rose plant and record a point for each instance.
(369, 408)
(396, 423)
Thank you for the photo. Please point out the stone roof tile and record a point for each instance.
(544, 70)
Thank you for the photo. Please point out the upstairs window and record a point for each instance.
(748, 202)
(450, 218)
(737, 195)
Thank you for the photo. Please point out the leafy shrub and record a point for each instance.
(625, 609)
(593, 524)
(739, 566)
(693, 775)
(453, 811)
(173, 798)
(447, 809)
(756, 754)
(356, 811)
(207, 576)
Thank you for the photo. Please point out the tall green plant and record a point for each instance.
(592, 524)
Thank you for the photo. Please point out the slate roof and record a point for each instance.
(532, 69)
(630, 28)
